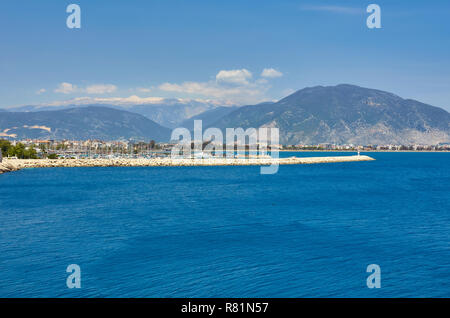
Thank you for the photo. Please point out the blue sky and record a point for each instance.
(138, 51)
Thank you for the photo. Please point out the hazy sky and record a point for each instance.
(227, 51)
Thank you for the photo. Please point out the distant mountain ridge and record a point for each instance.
(169, 112)
(342, 114)
(346, 114)
(81, 123)
(208, 117)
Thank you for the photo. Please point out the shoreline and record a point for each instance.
(9, 165)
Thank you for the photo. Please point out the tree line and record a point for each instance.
(19, 150)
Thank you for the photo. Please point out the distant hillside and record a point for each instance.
(208, 117)
(81, 123)
(342, 114)
(346, 114)
(168, 113)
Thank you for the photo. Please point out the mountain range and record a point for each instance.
(341, 114)
(81, 123)
(346, 114)
(208, 117)
(168, 112)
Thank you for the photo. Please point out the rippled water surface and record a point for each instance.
(307, 231)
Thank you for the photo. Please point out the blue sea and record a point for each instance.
(307, 231)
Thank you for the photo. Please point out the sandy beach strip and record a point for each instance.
(17, 164)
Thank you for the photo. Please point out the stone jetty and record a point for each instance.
(17, 164)
(7, 167)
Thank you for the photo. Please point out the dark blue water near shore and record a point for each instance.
(307, 231)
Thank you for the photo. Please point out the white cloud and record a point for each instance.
(229, 87)
(199, 88)
(262, 81)
(101, 89)
(41, 91)
(271, 73)
(240, 77)
(131, 100)
(243, 90)
(225, 95)
(144, 89)
(124, 101)
(66, 88)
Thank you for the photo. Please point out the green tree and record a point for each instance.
(21, 152)
(5, 145)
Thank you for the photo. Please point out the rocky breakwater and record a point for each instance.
(6, 167)
(16, 164)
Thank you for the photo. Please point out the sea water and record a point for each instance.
(307, 231)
